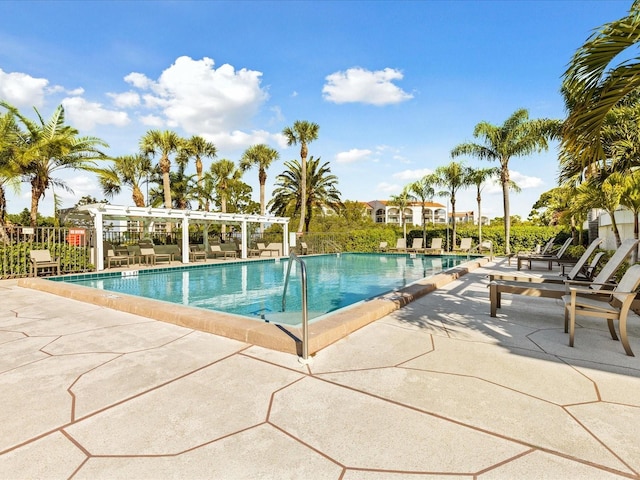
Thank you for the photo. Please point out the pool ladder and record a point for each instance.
(305, 313)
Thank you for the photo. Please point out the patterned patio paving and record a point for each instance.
(437, 389)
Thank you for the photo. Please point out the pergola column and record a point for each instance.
(185, 239)
(243, 238)
(97, 223)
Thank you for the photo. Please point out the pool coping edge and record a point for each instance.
(322, 333)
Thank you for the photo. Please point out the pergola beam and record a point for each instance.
(98, 213)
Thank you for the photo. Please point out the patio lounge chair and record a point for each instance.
(610, 305)
(401, 246)
(117, 259)
(262, 248)
(416, 246)
(117, 256)
(580, 270)
(216, 252)
(546, 250)
(484, 246)
(150, 255)
(273, 248)
(548, 258)
(465, 245)
(383, 247)
(195, 254)
(436, 246)
(544, 287)
(42, 260)
(538, 251)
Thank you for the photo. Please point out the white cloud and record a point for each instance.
(353, 155)
(152, 121)
(85, 115)
(200, 99)
(412, 175)
(139, 80)
(280, 140)
(81, 185)
(75, 92)
(365, 86)
(55, 89)
(22, 90)
(524, 181)
(153, 102)
(125, 100)
(278, 117)
(239, 140)
(388, 188)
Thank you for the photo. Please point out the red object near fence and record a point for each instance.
(76, 237)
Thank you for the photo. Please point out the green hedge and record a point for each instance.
(14, 258)
(523, 238)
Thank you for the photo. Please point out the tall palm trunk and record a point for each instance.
(504, 179)
(479, 200)
(3, 212)
(424, 226)
(165, 168)
(137, 196)
(453, 217)
(223, 208)
(262, 178)
(614, 226)
(37, 190)
(199, 173)
(636, 233)
(303, 186)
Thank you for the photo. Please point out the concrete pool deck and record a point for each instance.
(436, 389)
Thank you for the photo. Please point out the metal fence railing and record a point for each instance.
(73, 246)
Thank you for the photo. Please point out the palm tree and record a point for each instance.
(261, 156)
(605, 193)
(129, 170)
(402, 201)
(48, 147)
(619, 143)
(198, 148)
(517, 136)
(598, 77)
(321, 187)
(423, 190)
(9, 170)
(631, 199)
(223, 173)
(302, 132)
(155, 142)
(184, 188)
(478, 177)
(453, 177)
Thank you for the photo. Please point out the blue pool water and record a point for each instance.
(254, 289)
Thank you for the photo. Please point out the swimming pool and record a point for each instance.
(254, 289)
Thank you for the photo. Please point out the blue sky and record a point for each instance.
(393, 85)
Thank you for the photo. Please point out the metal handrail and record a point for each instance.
(333, 245)
(305, 314)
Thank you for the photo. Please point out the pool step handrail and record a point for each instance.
(305, 313)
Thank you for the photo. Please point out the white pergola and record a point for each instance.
(99, 213)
